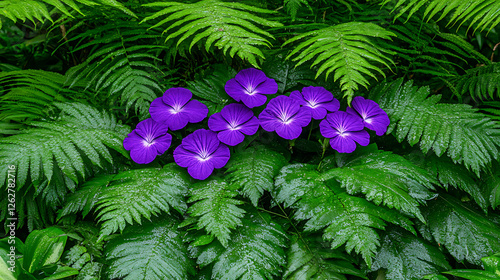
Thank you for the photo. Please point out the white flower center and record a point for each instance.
(233, 125)
(176, 109)
(312, 103)
(285, 119)
(250, 90)
(148, 141)
(203, 155)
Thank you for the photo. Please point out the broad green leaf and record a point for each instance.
(466, 234)
(43, 247)
(407, 257)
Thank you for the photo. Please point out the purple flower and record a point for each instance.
(284, 115)
(344, 130)
(201, 152)
(175, 109)
(318, 99)
(147, 140)
(232, 122)
(373, 117)
(249, 85)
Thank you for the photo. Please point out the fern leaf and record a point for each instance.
(347, 50)
(211, 86)
(483, 14)
(408, 257)
(449, 128)
(228, 26)
(286, 75)
(216, 208)
(308, 259)
(482, 82)
(149, 252)
(293, 6)
(386, 178)
(130, 196)
(449, 174)
(348, 220)
(254, 170)
(491, 189)
(81, 131)
(255, 251)
(465, 233)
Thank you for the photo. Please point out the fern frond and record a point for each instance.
(347, 49)
(309, 258)
(216, 208)
(149, 252)
(254, 170)
(122, 64)
(130, 196)
(347, 219)
(481, 82)
(255, 251)
(491, 189)
(286, 75)
(484, 14)
(229, 26)
(408, 257)
(386, 178)
(449, 128)
(466, 234)
(293, 6)
(210, 86)
(30, 94)
(81, 131)
(39, 9)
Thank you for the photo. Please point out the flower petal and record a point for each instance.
(297, 96)
(331, 106)
(365, 107)
(318, 113)
(362, 137)
(378, 123)
(162, 143)
(316, 94)
(184, 158)
(236, 113)
(217, 123)
(343, 121)
(196, 111)
(231, 137)
(201, 170)
(143, 154)
(254, 80)
(250, 127)
(289, 131)
(132, 140)
(234, 89)
(327, 130)
(149, 129)
(177, 121)
(159, 111)
(201, 141)
(254, 100)
(343, 144)
(177, 97)
(221, 156)
(268, 122)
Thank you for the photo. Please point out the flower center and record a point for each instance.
(312, 103)
(233, 125)
(250, 90)
(203, 155)
(176, 108)
(148, 141)
(285, 119)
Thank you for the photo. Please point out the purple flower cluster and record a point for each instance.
(204, 150)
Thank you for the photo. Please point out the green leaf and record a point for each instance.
(254, 170)
(491, 189)
(408, 257)
(466, 234)
(229, 26)
(449, 128)
(386, 178)
(293, 6)
(216, 208)
(149, 252)
(43, 247)
(255, 251)
(347, 219)
(211, 86)
(347, 49)
(480, 83)
(309, 259)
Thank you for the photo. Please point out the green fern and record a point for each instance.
(491, 189)
(254, 170)
(449, 128)
(482, 82)
(309, 258)
(347, 49)
(216, 208)
(484, 14)
(255, 251)
(407, 257)
(30, 94)
(149, 252)
(130, 196)
(286, 75)
(81, 131)
(122, 64)
(466, 234)
(491, 265)
(348, 219)
(293, 6)
(228, 26)
(39, 9)
(386, 178)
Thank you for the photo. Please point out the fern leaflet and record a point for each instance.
(228, 26)
(481, 82)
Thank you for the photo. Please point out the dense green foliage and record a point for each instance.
(420, 202)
